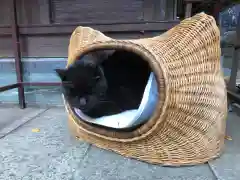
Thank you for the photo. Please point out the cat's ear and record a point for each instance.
(61, 73)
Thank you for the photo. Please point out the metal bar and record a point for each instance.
(8, 87)
(51, 11)
(234, 70)
(131, 23)
(41, 84)
(17, 54)
(235, 61)
(233, 96)
(238, 31)
(175, 9)
(236, 108)
(119, 23)
(55, 29)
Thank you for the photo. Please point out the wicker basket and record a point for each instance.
(188, 125)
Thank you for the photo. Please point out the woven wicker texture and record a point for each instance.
(188, 125)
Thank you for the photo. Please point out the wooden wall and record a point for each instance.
(46, 25)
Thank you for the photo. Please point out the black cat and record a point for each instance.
(127, 75)
(104, 87)
(85, 86)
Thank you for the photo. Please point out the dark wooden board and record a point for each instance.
(96, 11)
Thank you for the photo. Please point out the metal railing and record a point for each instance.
(18, 64)
(15, 31)
(231, 87)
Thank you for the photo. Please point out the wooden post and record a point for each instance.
(188, 11)
(235, 61)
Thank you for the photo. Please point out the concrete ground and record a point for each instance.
(52, 154)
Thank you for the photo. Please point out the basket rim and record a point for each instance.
(160, 74)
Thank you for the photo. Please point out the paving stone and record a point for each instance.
(105, 165)
(227, 167)
(49, 154)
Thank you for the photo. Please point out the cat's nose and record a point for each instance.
(83, 101)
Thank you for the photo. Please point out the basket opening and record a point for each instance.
(123, 90)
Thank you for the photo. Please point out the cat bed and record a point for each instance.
(188, 122)
(130, 118)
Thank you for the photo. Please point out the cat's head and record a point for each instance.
(84, 77)
(80, 77)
